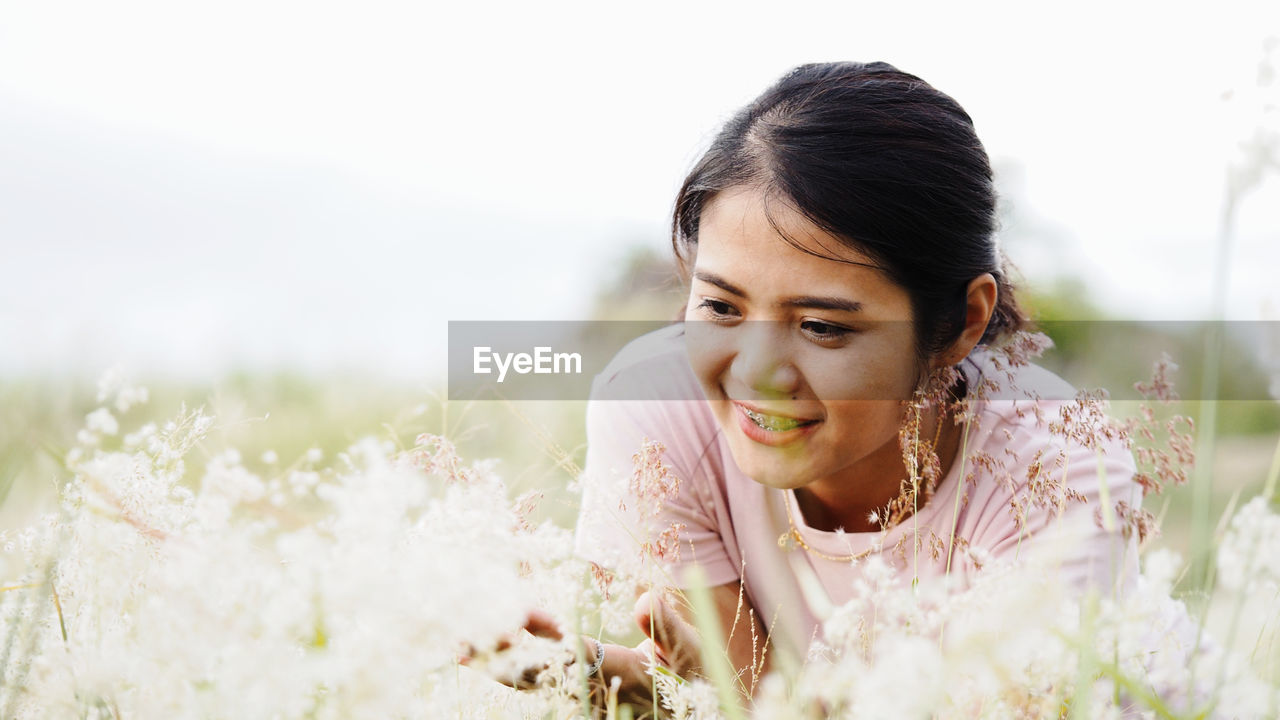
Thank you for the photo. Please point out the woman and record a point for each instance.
(839, 347)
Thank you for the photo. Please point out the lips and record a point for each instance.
(775, 423)
(772, 428)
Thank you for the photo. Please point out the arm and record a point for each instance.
(673, 637)
(611, 531)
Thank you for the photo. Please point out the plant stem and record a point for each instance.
(714, 657)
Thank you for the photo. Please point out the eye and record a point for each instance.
(825, 333)
(717, 309)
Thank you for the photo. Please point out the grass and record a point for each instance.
(538, 444)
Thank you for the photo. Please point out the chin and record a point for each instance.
(776, 466)
(779, 468)
(775, 480)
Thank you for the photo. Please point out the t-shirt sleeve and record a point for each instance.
(1071, 536)
(650, 508)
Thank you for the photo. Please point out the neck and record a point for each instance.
(848, 500)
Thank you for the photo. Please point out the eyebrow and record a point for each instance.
(803, 301)
(824, 303)
(719, 282)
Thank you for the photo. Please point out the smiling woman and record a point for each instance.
(810, 391)
(857, 385)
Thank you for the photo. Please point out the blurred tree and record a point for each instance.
(645, 286)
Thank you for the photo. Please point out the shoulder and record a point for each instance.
(653, 366)
(1026, 397)
(1044, 446)
(648, 391)
(998, 377)
(652, 438)
(1027, 406)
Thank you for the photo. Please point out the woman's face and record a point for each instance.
(805, 360)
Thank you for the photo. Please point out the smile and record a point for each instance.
(775, 423)
(773, 430)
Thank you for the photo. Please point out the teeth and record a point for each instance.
(773, 423)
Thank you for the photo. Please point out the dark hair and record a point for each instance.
(882, 160)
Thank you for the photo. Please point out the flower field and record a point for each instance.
(216, 563)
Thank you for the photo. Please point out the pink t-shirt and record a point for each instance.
(731, 524)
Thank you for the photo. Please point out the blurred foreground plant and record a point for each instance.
(340, 592)
(349, 589)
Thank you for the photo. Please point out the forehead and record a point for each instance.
(736, 236)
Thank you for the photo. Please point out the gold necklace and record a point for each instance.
(792, 535)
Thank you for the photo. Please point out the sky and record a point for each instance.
(187, 188)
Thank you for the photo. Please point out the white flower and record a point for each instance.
(1161, 568)
(144, 434)
(109, 382)
(130, 396)
(687, 699)
(344, 592)
(113, 384)
(1248, 554)
(221, 596)
(102, 421)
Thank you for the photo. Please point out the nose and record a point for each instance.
(762, 360)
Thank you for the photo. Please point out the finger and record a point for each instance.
(528, 679)
(630, 666)
(536, 623)
(466, 654)
(542, 625)
(647, 612)
(676, 640)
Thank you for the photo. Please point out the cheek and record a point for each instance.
(871, 372)
(858, 378)
(834, 377)
(865, 422)
(708, 354)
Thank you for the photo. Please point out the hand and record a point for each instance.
(673, 640)
(536, 624)
(670, 641)
(677, 644)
